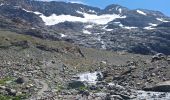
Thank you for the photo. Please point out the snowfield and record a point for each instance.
(88, 18)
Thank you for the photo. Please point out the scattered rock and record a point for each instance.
(11, 92)
(84, 92)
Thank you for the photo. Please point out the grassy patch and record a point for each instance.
(83, 88)
(6, 97)
(4, 80)
(59, 87)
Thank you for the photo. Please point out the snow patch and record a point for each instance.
(88, 18)
(91, 18)
(89, 26)
(121, 25)
(86, 32)
(54, 19)
(37, 13)
(63, 35)
(109, 29)
(92, 11)
(1, 4)
(126, 27)
(104, 28)
(149, 28)
(117, 22)
(27, 10)
(120, 10)
(161, 19)
(152, 24)
(141, 12)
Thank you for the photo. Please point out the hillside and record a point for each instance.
(68, 51)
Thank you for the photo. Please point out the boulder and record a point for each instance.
(20, 80)
(84, 92)
(2, 87)
(11, 92)
(160, 87)
(158, 56)
(93, 87)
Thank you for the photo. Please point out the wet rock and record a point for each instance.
(76, 84)
(158, 56)
(20, 80)
(93, 87)
(53, 62)
(105, 73)
(160, 87)
(116, 77)
(125, 97)
(11, 92)
(84, 92)
(107, 97)
(99, 77)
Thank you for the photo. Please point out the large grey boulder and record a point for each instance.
(160, 87)
(20, 80)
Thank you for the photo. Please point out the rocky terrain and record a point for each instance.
(93, 54)
(37, 69)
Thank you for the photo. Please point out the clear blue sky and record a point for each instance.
(159, 5)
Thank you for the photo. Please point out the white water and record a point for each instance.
(88, 77)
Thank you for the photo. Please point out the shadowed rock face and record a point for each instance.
(160, 87)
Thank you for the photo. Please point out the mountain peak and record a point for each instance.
(115, 8)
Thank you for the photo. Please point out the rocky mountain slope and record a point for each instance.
(114, 28)
(35, 69)
(44, 54)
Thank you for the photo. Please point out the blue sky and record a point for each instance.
(159, 5)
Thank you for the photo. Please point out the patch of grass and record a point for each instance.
(6, 97)
(4, 80)
(59, 87)
(83, 88)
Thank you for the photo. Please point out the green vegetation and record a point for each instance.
(83, 88)
(59, 87)
(6, 97)
(4, 80)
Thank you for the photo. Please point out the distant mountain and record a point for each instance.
(113, 28)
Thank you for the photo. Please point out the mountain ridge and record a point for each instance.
(88, 26)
